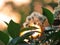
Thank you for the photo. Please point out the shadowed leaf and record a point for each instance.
(17, 40)
(49, 15)
(13, 29)
(4, 38)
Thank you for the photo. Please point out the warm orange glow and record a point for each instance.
(21, 2)
(35, 35)
(7, 18)
(7, 14)
(16, 17)
(2, 2)
(4, 17)
(3, 26)
(56, 1)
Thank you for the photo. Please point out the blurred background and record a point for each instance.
(12, 9)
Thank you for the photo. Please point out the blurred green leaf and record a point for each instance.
(4, 37)
(23, 18)
(13, 29)
(49, 15)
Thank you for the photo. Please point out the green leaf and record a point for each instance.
(4, 37)
(49, 15)
(13, 29)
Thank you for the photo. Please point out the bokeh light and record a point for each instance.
(2, 2)
(6, 14)
(4, 18)
(21, 2)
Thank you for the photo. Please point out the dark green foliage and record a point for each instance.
(16, 40)
(49, 15)
(4, 37)
(13, 29)
(52, 38)
(53, 5)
